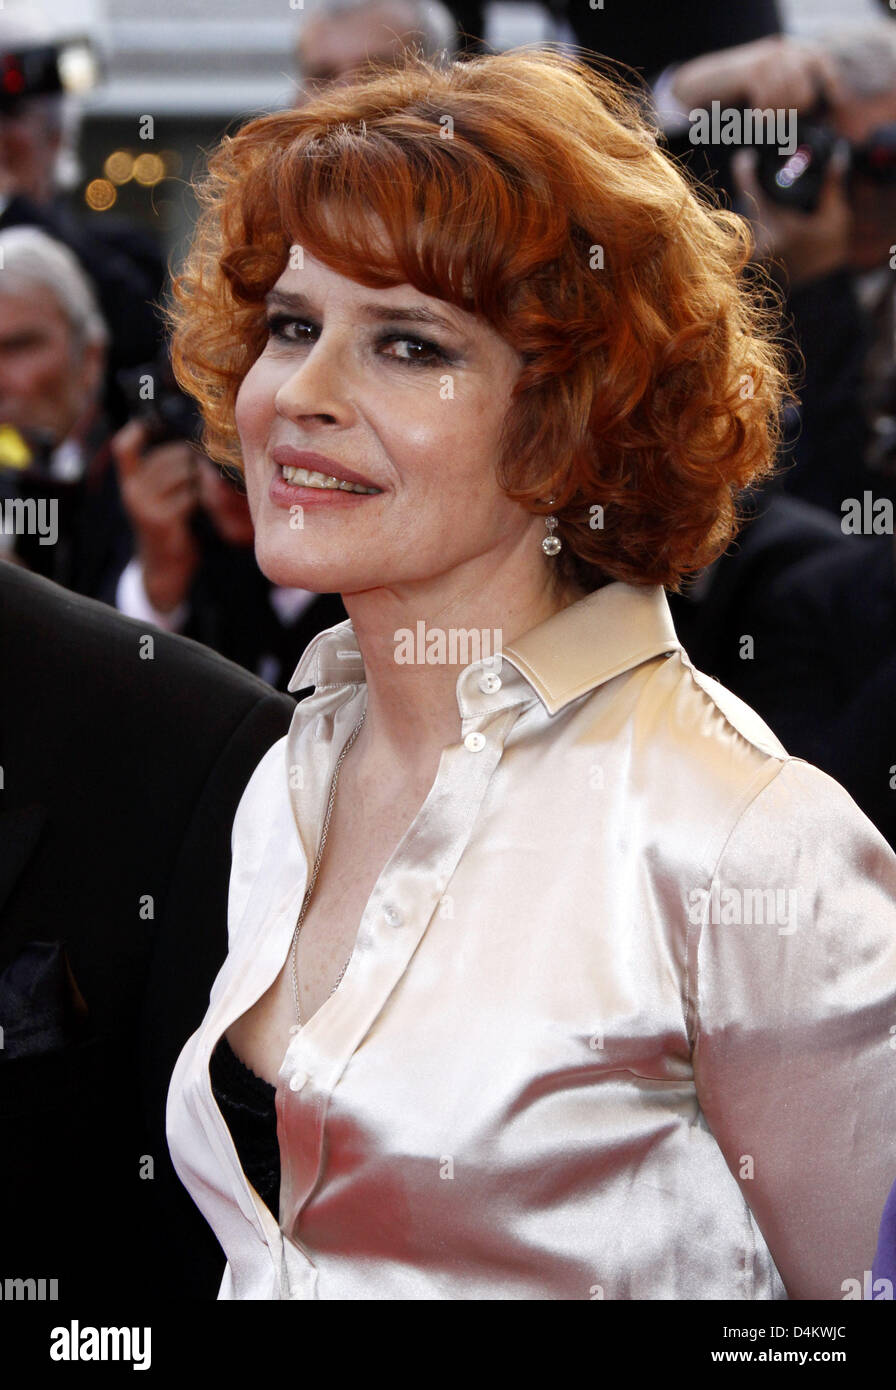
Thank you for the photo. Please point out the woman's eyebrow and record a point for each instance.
(407, 313)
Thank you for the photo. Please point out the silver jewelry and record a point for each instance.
(551, 544)
(308, 891)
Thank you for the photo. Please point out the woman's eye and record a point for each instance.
(279, 323)
(417, 352)
(430, 352)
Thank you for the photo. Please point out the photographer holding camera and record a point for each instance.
(824, 218)
(193, 570)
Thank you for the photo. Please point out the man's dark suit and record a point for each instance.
(121, 776)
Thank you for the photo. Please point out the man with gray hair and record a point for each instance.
(53, 343)
(337, 38)
(42, 283)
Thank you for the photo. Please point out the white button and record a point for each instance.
(393, 916)
(489, 684)
(296, 1028)
(474, 742)
(297, 1080)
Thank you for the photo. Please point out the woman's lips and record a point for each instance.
(287, 495)
(285, 456)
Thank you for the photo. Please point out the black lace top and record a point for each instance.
(247, 1104)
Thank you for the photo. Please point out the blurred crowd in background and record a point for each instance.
(798, 618)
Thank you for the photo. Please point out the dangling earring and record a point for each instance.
(551, 544)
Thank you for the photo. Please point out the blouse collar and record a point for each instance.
(600, 636)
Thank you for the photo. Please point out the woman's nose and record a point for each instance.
(317, 384)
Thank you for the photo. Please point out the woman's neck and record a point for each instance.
(412, 709)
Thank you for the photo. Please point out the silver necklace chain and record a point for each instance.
(308, 891)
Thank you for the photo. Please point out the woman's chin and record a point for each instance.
(291, 571)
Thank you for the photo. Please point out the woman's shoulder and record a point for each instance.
(705, 693)
(712, 764)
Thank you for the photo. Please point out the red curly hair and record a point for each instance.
(525, 187)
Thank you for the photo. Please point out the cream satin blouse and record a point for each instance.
(620, 1021)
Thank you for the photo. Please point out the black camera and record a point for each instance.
(154, 398)
(796, 180)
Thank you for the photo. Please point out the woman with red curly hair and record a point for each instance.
(551, 974)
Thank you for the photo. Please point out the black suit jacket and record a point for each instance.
(121, 776)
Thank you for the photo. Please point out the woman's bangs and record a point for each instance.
(349, 211)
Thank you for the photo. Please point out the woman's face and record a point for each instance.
(411, 405)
